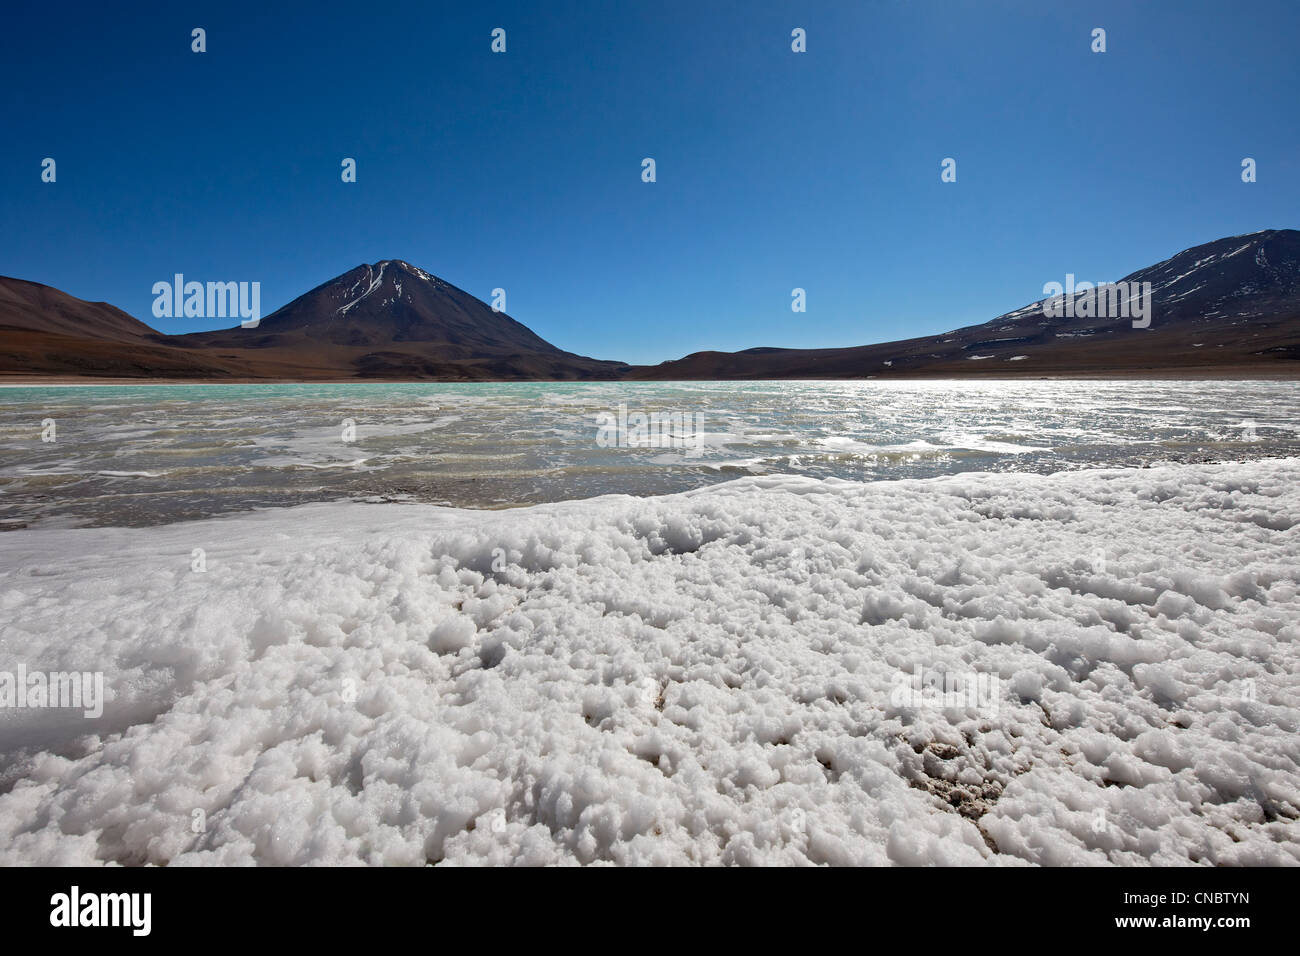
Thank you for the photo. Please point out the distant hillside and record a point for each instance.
(389, 320)
(1231, 306)
(47, 332)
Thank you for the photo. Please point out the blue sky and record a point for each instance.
(522, 170)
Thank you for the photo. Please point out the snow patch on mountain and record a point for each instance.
(375, 282)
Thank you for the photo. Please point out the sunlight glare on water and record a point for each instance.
(142, 455)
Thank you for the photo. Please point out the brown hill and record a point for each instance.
(41, 308)
(47, 332)
(389, 320)
(1229, 307)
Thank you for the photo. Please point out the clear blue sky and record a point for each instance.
(523, 170)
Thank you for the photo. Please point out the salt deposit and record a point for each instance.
(710, 677)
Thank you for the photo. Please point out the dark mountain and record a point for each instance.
(383, 304)
(389, 320)
(1230, 307)
(393, 320)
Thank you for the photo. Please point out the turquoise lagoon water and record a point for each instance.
(143, 455)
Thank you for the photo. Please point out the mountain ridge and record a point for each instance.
(1183, 331)
(1231, 305)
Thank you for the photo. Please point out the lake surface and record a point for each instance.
(145, 455)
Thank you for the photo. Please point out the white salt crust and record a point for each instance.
(698, 678)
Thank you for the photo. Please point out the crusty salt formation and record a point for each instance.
(709, 677)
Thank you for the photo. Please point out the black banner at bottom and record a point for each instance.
(336, 906)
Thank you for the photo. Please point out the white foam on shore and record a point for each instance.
(702, 677)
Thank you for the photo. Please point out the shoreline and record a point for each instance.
(350, 503)
(1180, 375)
(140, 456)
